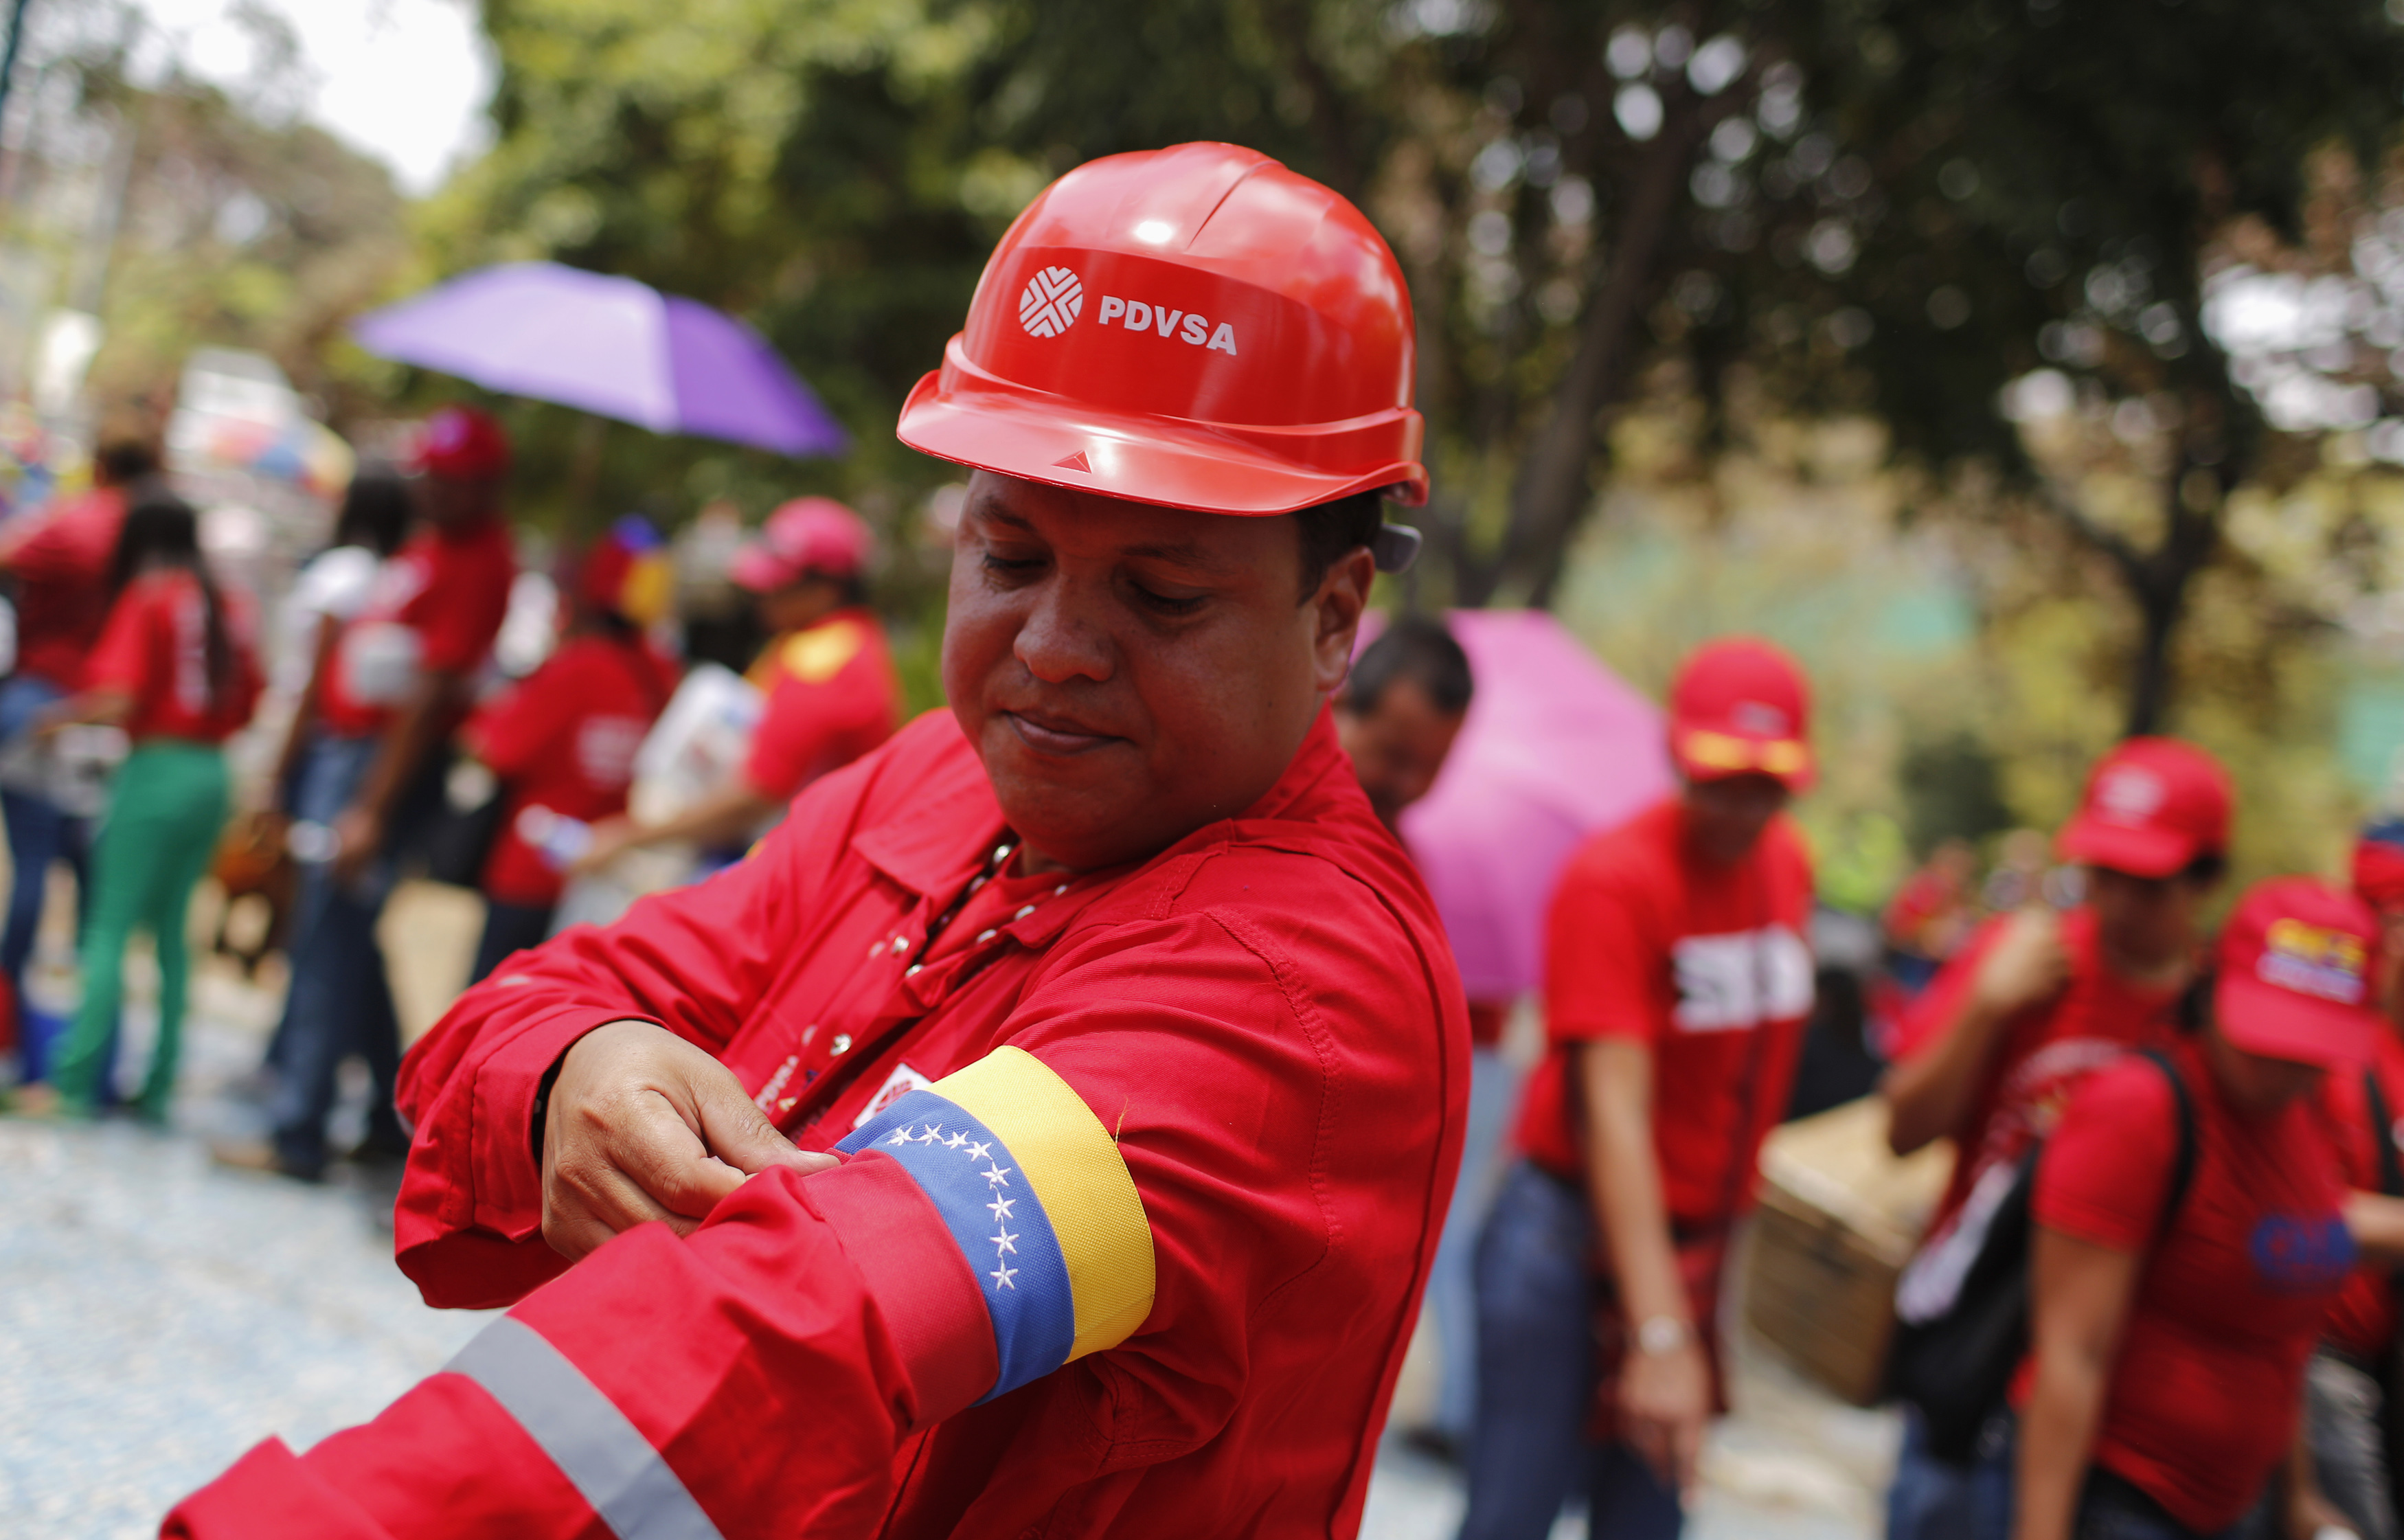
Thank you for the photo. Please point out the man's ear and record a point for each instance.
(1337, 607)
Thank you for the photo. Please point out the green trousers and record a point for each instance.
(164, 814)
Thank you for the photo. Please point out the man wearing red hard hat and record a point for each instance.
(1047, 1127)
(1677, 978)
(2032, 1004)
(831, 692)
(399, 681)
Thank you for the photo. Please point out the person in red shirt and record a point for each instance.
(1045, 1129)
(1677, 981)
(174, 670)
(402, 670)
(562, 741)
(831, 692)
(57, 564)
(2346, 1464)
(2037, 1000)
(2174, 1300)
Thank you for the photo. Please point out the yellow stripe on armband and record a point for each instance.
(1073, 1166)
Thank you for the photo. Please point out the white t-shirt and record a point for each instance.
(334, 584)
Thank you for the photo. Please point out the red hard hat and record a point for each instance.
(1195, 327)
(805, 536)
(461, 443)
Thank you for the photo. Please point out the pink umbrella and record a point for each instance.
(1555, 746)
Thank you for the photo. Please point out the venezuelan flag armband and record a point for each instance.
(1036, 1250)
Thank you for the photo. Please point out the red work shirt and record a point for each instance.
(2040, 1059)
(563, 739)
(1706, 965)
(832, 696)
(60, 559)
(2204, 1394)
(2362, 1325)
(155, 647)
(1253, 1043)
(436, 607)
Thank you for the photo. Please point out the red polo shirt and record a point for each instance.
(832, 696)
(563, 740)
(1707, 965)
(2363, 1322)
(1255, 1043)
(436, 607)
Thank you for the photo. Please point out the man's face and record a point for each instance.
(454, 502)
(1725, 817)
(1129, 673)
(1398, 746)
(2145, 922)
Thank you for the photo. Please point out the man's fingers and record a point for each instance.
(1685, 1451)
(661, 1154)
(739, 1133)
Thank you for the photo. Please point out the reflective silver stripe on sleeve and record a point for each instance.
(584, 1432)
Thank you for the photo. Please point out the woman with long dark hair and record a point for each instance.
(173, 670)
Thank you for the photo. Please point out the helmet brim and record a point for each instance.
(1139, 457)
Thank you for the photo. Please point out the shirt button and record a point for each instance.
(1057, 892)
(842, 1044)
(912, 971)
(1001, 854)
(901, 944)
(987, 936)
(1024, 912)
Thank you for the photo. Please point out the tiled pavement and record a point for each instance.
(158, 1316)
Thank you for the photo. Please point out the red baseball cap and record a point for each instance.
(629, 572)
(2295, 964)
(2152, 806)
(1740, 707)
(2379, 864)
(808, 535)
(461, 443)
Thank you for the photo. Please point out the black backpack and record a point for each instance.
(1956, 1367)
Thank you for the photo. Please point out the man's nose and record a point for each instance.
(1062, 638)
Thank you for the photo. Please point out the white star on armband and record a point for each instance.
(1001, 1206)
(901, 1136)
(980, 1151)
(998, 1176)
(956, 1141)
(934, 1135)
(1001, 1278)
(1005, 1241)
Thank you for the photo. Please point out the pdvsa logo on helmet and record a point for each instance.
(1183, 326)
(1050, 302)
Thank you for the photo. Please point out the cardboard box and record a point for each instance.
(1839, 1218)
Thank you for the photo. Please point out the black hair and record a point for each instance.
(375, 512)
(2205, 869)
(1416, 648)
(161, 530)
(2194, 1007)
(121, 462)
(1331, 530)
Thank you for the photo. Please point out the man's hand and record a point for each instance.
(2027, 965)
(1664, 1401)
(643, 1125)
(358, 834)
(611, 837)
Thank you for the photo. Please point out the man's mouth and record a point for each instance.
(1049, 734)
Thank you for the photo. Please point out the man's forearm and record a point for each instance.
(413, 731)
(730, 816)
(2057, 1433)
(1928, 1095)
(1624, 1181)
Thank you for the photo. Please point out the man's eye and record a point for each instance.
(1161, 604)
(1020, 565)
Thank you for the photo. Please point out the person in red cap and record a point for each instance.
(562, 741)
(2037, 1000)
(2346, 1464)
(2190, 1234)
(1047, 1127)
(1676, 983)
(831, 694)
(402, 671)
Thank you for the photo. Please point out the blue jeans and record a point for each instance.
(340, 1001)
(1930, 1499)
(2110, 1507)
(39, 835)
(1451, 1295)
(1535, 1380)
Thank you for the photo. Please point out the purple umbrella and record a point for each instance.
(607, 346)
(1555, 746)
